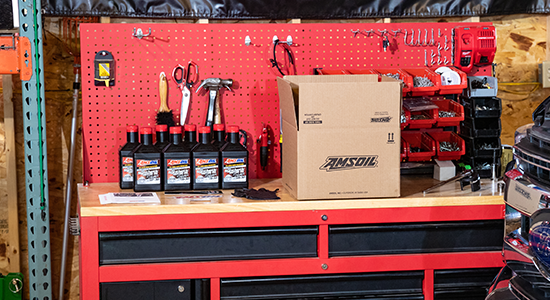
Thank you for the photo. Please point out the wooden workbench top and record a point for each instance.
(411, 196)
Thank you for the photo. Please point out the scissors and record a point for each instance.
(185, 82)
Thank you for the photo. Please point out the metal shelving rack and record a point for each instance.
(36, 171)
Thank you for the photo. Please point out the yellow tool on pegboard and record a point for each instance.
(104, 69)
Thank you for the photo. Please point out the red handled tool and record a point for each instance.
(264, 142)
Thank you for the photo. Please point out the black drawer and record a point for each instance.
(459, 284)
(196, 289)
(409, 238)
(387, 285)
(206, 245)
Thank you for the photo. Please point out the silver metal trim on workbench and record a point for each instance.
(36, 171)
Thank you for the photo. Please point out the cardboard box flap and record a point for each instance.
(299, 79)
(332, 101)
(288, 101)
(348, 104)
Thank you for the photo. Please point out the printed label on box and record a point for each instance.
(313, 118)
(234, 170)
(178, 171)
(148, 171)
(206, 170)
(127, 169)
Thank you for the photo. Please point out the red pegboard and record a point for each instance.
(220, 51)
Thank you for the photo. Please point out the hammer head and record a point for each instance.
(216, 84)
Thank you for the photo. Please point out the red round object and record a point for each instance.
(233, 129)
(190, 127)
(146, 130)
(132, 128)
(175, 129)
(204, 129)
(219, 127)
(161, 127)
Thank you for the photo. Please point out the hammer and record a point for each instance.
(213, 85)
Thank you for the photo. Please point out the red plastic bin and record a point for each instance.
(448, 136)
(362, 71)
(455, 88)
(421, 140)
(407, 118)
(428, 90)
(449, 105)
(406, 77)
(404, 147)
(432, 115)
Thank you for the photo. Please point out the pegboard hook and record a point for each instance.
(288, 40)
(248, 42)
(139, 33)
(396, 32)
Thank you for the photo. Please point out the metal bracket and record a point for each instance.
(15, 55)
(74, 226)
(139, 33)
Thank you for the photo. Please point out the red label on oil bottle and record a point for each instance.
(178, 171)
(206, 170)
(234, 170)
(127, 169)
(148, 171)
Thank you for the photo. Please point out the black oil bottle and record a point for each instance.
(126, 157)
(177, 162)
(234, 161)
(206, 162)
(219, 135)
(190, 135)
(147, 164)
(162, 137)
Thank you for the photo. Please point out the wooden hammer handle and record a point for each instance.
(163, 93)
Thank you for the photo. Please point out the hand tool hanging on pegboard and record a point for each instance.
(264, 143)
(164, 114)
(214, 85)
(289, 57)
(72, 46)
(104, 69)
(185, 81)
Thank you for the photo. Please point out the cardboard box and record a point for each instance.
(341, 136)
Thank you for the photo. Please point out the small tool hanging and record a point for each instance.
(214, 85)
(185, 81)
(104, 69)
(264, 142)
(286, 46)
